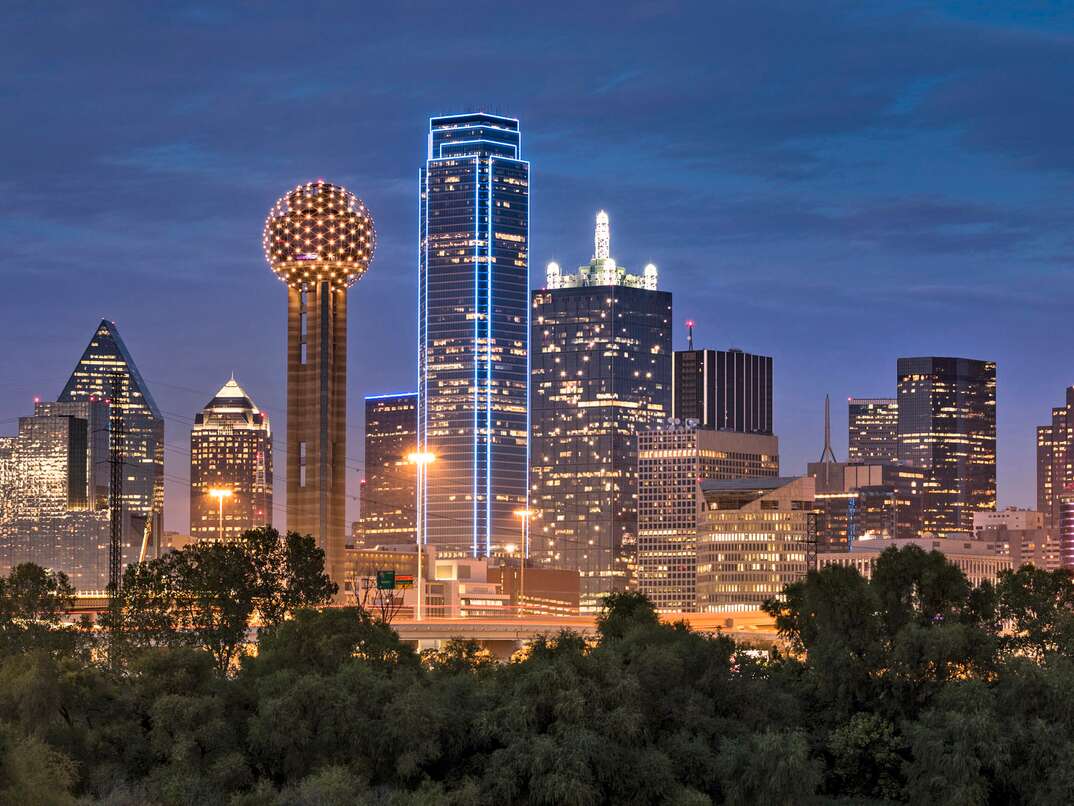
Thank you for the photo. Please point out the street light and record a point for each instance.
(220, 493)
(421, 459)
(524, 515)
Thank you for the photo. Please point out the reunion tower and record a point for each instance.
(318, 239)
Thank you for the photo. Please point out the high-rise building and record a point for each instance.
(107, 372)
(724, 389)
(230, 449)
(1055, 459)
(388, 492)
(54, 478)
(473, 330)
(873, 430)
(947, 427)
(673, 463)
(1021, 534)
(1065, 502)
(866, 502)
(319, 240)
(751, 541)
(601, 374)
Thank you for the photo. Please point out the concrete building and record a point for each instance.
(1065, 499)
(230, 450)
(978, 560)
(601, 373)
(673, 463)
(318, 240)
(751, 542)
(947, 427)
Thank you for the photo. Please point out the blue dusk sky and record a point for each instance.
(832, 184)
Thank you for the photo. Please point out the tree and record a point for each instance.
(209, 593)
(1039, 606)
(621, 612)
(770, 767)
(32, 773)
(33, 602)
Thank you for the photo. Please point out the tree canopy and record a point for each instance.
(910, 687)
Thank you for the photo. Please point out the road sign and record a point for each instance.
(404, 580)
(386, 580)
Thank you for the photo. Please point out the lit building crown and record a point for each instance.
(602, 269)
(319, 232)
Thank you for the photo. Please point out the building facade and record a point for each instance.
(673, 462)
(751, 542)
(230, 449)
(1055, 459)
(728, 390)
(601, 373)
(107, 372)
(473, 330)
(388, 491)
(947, 427)
(318, 240)
(873, 430)
(54, 483)
(866, 502)
(980, 562)
(1065, 499)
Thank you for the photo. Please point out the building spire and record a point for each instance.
(827, 455)
(689, 334)
(602, 238)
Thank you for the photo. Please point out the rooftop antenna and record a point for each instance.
(827, 455)
(689, 334)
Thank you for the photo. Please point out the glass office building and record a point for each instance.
(872, 430)
(1055, 460)
(230, 449)
(107, 372)
(947, 427)
(601, 374)
(54, 479)
(388, 493)
(728, 390)
(473, 330)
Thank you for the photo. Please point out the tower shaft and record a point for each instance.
(316, 417)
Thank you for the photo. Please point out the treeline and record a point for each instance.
(911, 687)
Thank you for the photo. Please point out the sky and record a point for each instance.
(832, 184)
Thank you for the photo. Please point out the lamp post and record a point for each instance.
(220, 493)
(524, 516)
(421, 459)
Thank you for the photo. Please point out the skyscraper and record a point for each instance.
(107, 372)
(947, 426)
(1065, 504)
(601, 373)
(391, 432)
(1055, 460)
(673, 463)
(230, 449)
(873, 430)
(728, 390)
(54, 493)
(319, 240)
(473, 330)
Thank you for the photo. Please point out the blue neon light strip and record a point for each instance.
(395, 394)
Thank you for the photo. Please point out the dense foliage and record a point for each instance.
(900, 689)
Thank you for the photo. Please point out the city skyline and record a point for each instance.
(197, 254)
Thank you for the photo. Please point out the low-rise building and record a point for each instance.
(752, 540)
(980, 561)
